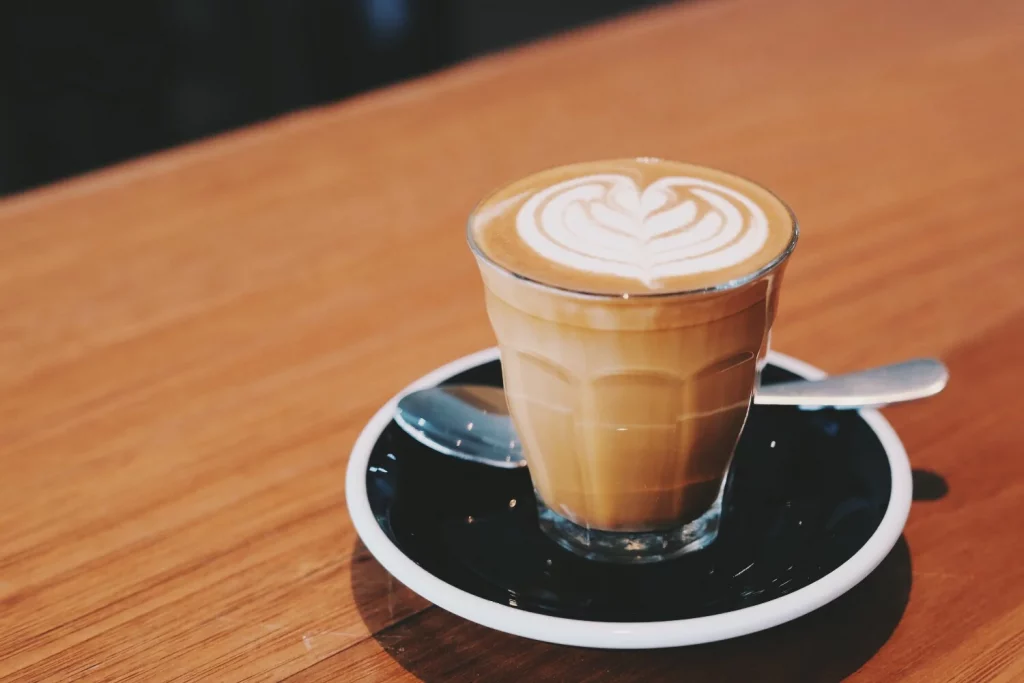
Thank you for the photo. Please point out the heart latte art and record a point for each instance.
(607, 224)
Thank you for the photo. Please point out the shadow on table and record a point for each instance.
(929, 485)
(824, 646)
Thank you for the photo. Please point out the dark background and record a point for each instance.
(85, 84)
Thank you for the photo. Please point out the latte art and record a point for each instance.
(633, 226)
(605, 224)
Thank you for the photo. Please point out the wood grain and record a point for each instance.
(190, 343)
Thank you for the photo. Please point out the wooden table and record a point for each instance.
(190, 343)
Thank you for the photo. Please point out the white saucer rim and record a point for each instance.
(625, 635)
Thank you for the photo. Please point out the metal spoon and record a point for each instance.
(472, 422)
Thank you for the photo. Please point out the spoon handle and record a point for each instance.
(906, 381)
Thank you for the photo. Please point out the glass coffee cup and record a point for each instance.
(632, 301)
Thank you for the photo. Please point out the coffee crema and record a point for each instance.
(633, 226)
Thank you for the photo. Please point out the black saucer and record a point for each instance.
(808, 489)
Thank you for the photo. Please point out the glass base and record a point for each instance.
(631, 547)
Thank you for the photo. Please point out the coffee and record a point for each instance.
(636, 226)
(632, 301)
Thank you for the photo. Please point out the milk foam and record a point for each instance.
(605, 224)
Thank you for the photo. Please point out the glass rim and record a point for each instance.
(726, 286)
